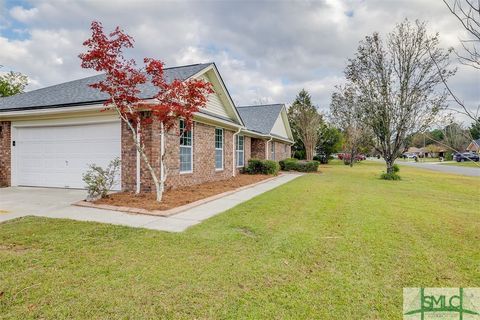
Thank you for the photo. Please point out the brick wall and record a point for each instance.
(203, 157)
(282, 151)
(5, 153)
(258, 148)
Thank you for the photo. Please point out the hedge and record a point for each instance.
(296, 165)
(256, 166)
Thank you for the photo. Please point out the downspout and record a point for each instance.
(234, 165)
(267, 150)
(137, 190)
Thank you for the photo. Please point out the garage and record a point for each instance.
(57, 155)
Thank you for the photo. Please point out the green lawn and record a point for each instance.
(337, 245)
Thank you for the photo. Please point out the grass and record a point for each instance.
(337, 245)
(463, 164)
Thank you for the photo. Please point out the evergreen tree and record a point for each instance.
(305, 122)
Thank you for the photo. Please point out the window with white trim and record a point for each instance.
(186, 150)
(272, 150)
(218, 149)
(239, 151)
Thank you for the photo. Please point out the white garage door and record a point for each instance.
(57, 156)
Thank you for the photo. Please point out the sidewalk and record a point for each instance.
(13, 201)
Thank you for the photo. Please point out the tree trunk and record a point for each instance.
(140, 148)
(308, 152)
(389, 162)
(163, 171)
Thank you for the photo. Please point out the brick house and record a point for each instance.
(49, 136)
(474, 146)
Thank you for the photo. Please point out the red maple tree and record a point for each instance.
(173, 101)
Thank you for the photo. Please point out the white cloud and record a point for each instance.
(23, 15)
(265, 51)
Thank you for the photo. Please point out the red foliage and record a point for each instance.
(175, 100)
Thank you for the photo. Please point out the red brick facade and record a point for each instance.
(282, 150)
(258, 148)
(261, 149)
(5, 153)
(203, 157)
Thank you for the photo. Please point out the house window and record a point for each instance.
(272, 150)
(218, 149)
(240, 153)
(186, 152)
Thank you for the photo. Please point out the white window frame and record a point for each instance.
(272, 150)
(191, 150)
(219, 149)
(238, 151)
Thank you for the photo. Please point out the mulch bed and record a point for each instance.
(181, 196)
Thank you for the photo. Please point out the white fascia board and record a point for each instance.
(50, 111)
(210, 120)
(285, 120)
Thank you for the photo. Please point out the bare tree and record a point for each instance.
(456, 137)
(305, 122)
(468, 13)
(397, 84)
(346, 113)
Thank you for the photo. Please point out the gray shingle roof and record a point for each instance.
(78, 92)
(260, 118)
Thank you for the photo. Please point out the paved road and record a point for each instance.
(16, 202)
(465, 171)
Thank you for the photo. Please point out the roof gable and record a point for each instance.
(260, 118)
(267, 119)
(78, 92)
(220, 102)
(279, 127)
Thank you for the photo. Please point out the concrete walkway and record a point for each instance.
(464, 171)
(18, 202)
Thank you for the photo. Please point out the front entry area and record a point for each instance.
(58, 155)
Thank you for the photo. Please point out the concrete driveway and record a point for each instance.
(56, 203)
(17, 202)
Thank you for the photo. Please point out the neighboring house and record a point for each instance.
(49, 136)
(474, 146)
(414, 150)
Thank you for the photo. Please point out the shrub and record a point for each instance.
(390, 176)
(396, 168)
(301, 166)
(299, 154)
(322, 158)
(256, 166)
(288, 164)
(307, 166)
(99, 180)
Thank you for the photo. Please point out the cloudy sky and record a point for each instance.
(266, 51)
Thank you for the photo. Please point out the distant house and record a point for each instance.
(474, 146)
(417, 151)
(430, 151)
